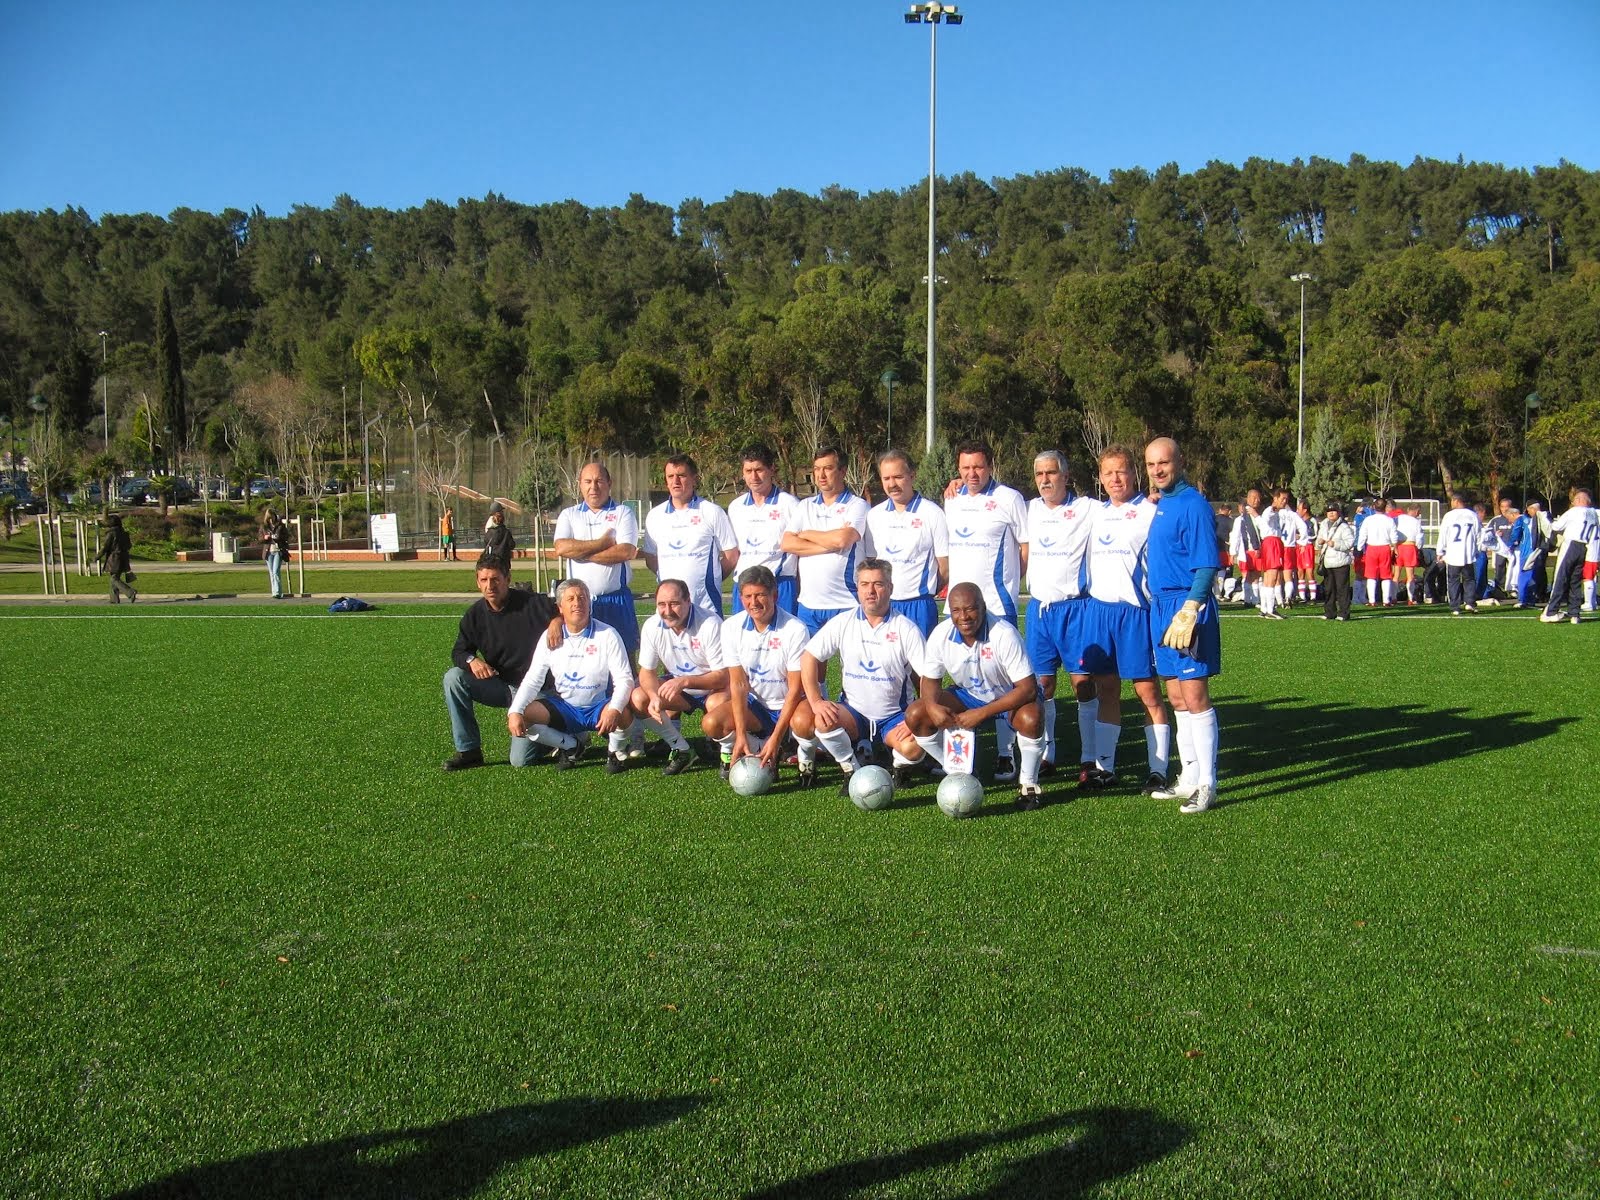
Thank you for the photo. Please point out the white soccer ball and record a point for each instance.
(871, 788)
(750, 777)
(960, 795)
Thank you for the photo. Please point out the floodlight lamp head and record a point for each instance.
(913, 17)
(953, 18)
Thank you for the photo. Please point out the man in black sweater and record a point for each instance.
(492, 652)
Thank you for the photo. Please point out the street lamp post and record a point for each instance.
(1529, 405)
(1302, 279)
(890, 377)
(105, 394)
(932, 14)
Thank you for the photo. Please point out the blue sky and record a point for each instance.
(150, 107)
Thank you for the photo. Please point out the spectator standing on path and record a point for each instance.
(115, 561)
(447, 534)
(274, 548)
(498, 544)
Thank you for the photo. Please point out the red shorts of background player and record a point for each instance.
(1590, 569)
(1306, 555)
(1376, 562)
(1226, 560)
(1252, 561)
(1405, 555)
(1271, 554)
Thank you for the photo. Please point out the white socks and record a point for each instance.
(1203, 730)
(1032, 756)
(1048, 709)
(1158, 748)
(546, 736)
(1185, 723)
(837, 743)
(1105, 745)
(1088, 718)
(667, 731)
(933, 746)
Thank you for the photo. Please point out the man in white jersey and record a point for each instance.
(1270, 524)
(760, 519)
(1580, 529)
(991, 679)
(1408, 553)
(688, 537)
(907, 531)
(1460, 532)
(1376, 538)
(1116, 636)
(880, 656)
(1244, 545)
(1058, 539)
(763, 649)
(590, 683)
(988, 524)
(825, 533)
(684, 645)
(598, 538)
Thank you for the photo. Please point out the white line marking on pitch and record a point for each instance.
(206, 616)
(1573, 951)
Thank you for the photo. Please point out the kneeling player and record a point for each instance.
(880, 653)
(687, 643)
(586, 656)
(763, 648)
(991, 680)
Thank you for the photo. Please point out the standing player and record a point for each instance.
(880, 656)
(1271, 523)
(1459, 535)
(760, 519)
(689, 538)
(991, 680)
(1244, 544)
(1306, 552)
(586, 660)
(1580, 528)
(1408, 553)
(1058, 533)
(823, 534)
(1115, 644)
(763, 650)
(1186, 637)
(907, 531)
(988, 524)
(599, 538)
(1376, 537)
(687, 644)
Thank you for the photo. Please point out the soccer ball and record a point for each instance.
(960, 795)
(871, 788)
(749, 777)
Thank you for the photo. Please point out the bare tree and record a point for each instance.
(1385, 446)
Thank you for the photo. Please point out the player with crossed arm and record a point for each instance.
(687, 644)
(1115, 645)
(991, 680)
(688, 537)
(763, 650)
(586, 659)
(908, 532)
(1058, 532)
(988, 524)
(1186, 638)
(1581, 527)
(760, 518)
(880, 654)
(824, 532)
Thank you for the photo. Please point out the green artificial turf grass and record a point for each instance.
(256, 941)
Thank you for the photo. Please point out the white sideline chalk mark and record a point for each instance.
(207, 616)
(1569, 951)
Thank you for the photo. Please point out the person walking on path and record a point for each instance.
(115, 562)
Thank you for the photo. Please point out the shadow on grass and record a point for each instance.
(1277, 746)
(431, 1162)
(1101, 1144)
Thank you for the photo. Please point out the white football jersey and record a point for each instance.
(1377, 530)
(1409, 528)
(1460, 531)
(585, 524)
(1058, 540)
(760, 528)
(1116, 551)
(910, 538)
(688, 543)
(693, 650)
(987, 532)
(580, 670)
(1579, 524)
(765, 655)
(989, 668)
(829, 580)
(878, 664)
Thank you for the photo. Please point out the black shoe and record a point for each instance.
(1005, 770)
(904, 776)
(464, 760)
(1155, 782)
(1093, 778)
(680, 761)
(1047, 767)
(567, 759)
(1029, 798)
(616, 762)
(808, 777)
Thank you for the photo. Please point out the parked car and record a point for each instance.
(182, 493)
(132, 491)
(26, 501)
(265, 489)
(332, 487)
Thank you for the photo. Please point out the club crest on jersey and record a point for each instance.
(989, 506)
(695, 519)
(591, 648)
(987, 653)
(774, 643)
(694, 643)
(916, 522)
(891, 636)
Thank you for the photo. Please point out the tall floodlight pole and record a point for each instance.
(105, 394)
(1302, 279)
(1529, 406)
(932, 14)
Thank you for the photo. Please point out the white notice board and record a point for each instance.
(386, 533)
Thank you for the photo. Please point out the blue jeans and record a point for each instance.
(275, 573)
(462, 690)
